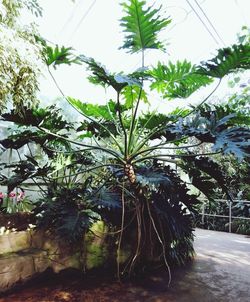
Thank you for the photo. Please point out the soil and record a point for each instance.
(18, 221)
(69, 287)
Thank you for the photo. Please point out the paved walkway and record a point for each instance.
(220, 272)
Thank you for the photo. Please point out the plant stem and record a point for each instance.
(161, 242)
(132, 127)
(111, 152)
(122, 125)
(155, 156)
(158, 129)
(88, 170)
(121, 233)
(86, 116)
(159, 147)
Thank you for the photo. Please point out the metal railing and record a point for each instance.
(230, 216)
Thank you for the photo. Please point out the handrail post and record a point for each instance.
(230, 217)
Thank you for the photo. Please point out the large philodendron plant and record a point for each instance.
(120, 163)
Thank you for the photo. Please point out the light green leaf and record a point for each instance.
(178, 80)
(131, 94)
(142, 26)
(91, 110)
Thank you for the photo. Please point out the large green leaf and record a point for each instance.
(60, 55)
(153, 177)
(235, 140)
(142, 26)
(49, 118)
(131, 95)
(194, 166)
(105, 198)
(101, 76)
(106, 112)
(66, 213)
(208, 127)
(237, 105)
(20, 172)
(178, 80)
(152, 120)
(228, 60)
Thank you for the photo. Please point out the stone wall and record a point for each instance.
(25, 254)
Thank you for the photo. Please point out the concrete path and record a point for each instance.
(220, 272)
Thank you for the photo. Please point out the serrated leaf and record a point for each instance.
(234, 140)
(131, 94)
(49, 118)
(211, 168)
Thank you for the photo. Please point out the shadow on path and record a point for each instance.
(220, 271)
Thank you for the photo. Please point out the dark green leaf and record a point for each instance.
(230, 59)
(152, 177)
(60, 55)
(107, 199)
(100, 75)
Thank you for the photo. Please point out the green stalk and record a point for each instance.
(87, 170)
(86, 116)
(157, 156)
(122, 125)
(158, 129)
(132, 127)
(158, 147)
(111, 152)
